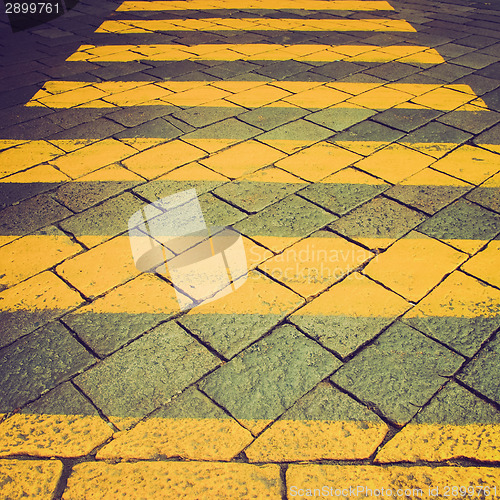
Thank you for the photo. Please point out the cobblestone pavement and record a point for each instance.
(356, 147)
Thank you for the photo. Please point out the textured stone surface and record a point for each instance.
(399, 372)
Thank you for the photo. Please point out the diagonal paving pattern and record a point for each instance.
(355, 146)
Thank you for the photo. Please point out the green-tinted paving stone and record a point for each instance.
(461, 313)
(144, 375)
(487, 194)
(435, 139)
(201, 116)
(272, 117)
(429, 190)
(285, 222)
(252, 193)
(37, 363)
(154, 128)
(366, 137)
(489, 139)
(339, 118)
(344, 190)
(399, 372)
(464, 225)
(406, 119)
(105, 220)
(378, 223)
(483, 373)
(258, 385)
(218, 213)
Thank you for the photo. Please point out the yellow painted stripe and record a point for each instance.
(367, 5)
(258, 24)
(245, 52)
(231, 94)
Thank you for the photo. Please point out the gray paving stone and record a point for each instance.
(267, 378)
(462, 222)
(479, 84)
(206, 115)
(491, 136)
(378, 223)
(298, 130)
(406, 119)
(229, 128)
(492, 71)
(37, 363)
(486, 196)
(154, 128)
(137, 115)
(283, 69)
(144, 375)
(269, 118)
(492, 99)
(483, 372)
(392, 71)
(218, 213)
(338, 70)
(231, 68)
(108, 71)
(338, 119)
(399, 372)
(471, 121)
(101, 128)
(447, 72)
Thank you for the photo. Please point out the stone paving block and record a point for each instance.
(324, 424)
(381, 98)
(318, 161)
(31, 215)
(256, 191)
(98, 129)
(201, 116)
(101, 268)
(461, 313)
(124, 313)
(456, 424)
(366, 137)
(138, 115)
(447, 72)
(34, 253)
(257, 96)
(317, 98)
(39, 362)
(399, 372)
(487, 194)
(378, 223)
(92, 157)
(314, 263)
(338, 70)
(294, 136)
(492, 99)
(479, 83)
(344, 190)
(471, 118)
(406, 119)
(234, 321)
(340, 116)
(163, 158)
(282, 224)
(482, 373)
(36, 479)
(272, 116)
(428, 190)
(32, 304)
(364, 480)
(414, 265)
(435, 139)
(443, 98)
(469, 163)
(485, 264)
(61, 423)
(188, 480)
(154, 128)
(152, 369)
(27, 155)
(242, 159)
(464, 225)
(489, 139)
(350, 313)
(221, 135)
(392, 71)
(218, 213)
(100, 223)
(190, 426)
(258, 385)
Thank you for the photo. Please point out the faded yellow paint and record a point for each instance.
(112, 173)
(414, 265)
(430, 57)
(258, 96)
(434, 149)
(92, 157)
(366, 5)
(443, 99)
(42, 292)
(101, 268)
(26, 155)
(35, 479)
(196, 97)
(317, 98)
(40, 173)
(10, 143)
(470, 163)
(242, 159)
(419, 482)
(430, 177)
(255, 253)
(67, 99)
(356, 297)
(381, 98)
(486, 264)
(395, 163)
(440, 442)
(191, 438)
(136, 96)
(267, 297)
(318, 161)
(294, 440)
(314, 263)
(33, 254)
(180, 480)
(43, 435)
(162, 158)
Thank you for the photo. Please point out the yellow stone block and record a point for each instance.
(40, 173)
(317, 98)
(443, 99)
(380, 98)
(258, 96)
(26, 155)
(486, 264)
